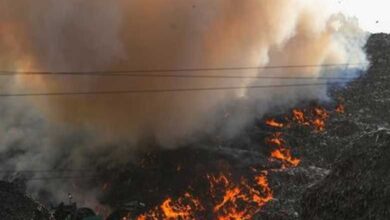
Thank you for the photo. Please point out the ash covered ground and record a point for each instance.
(343, 171)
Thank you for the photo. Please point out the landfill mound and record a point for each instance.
(358, 185)
(342, 174)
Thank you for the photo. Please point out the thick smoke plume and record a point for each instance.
(77, 35)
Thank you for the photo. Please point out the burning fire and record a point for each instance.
(227, 201)
(183, 208)
(274, 123)
(284, 155)
(282, 152)
(299, 116)
(321, 115)
(240, 200)
(316, 119)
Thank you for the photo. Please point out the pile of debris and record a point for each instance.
(358, 184)
(15, 205)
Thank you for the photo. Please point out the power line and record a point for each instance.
(46, 171)
(150, 91)
(135, 71)
(263, 76)
(207, 76)
(60, 178)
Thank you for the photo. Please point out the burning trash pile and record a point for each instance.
(231, 201)
(174, 122)
(235, 194)
(325, 161)
(295, 157)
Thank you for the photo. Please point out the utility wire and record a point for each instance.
(46, 171)
(150, 91)
(128, 73)
(209, 76)
(138, 71)
(61, 178)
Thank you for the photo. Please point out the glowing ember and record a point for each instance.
(318, 124)
(183, 208)
(320, 117)
(230, 195)
(141, 217)
(276, 140)
(274, 123)
(316, 119)
(299, 116)
(243, 200)
(172, 211)
(227, 200)
(282, 152)
(320, 112)
(284, 155)
(262, 181)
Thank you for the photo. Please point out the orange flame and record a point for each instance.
(282, 152)
(243, 200)
(262, 181)
(321, 115)
(141, 217)
(232, 200)
(284, 155)
(183, 208)
(273, 123)
(230, 195)
(299, 116)
(318, 124)
(276, 140)
(317, 119)
(175, 211)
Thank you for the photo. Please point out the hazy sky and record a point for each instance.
(373, 15)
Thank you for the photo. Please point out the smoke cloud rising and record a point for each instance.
(77, 35)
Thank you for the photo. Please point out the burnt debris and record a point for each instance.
(15, 205)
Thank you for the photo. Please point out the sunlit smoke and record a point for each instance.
(76, 35)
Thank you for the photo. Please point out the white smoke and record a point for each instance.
(77, 35)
